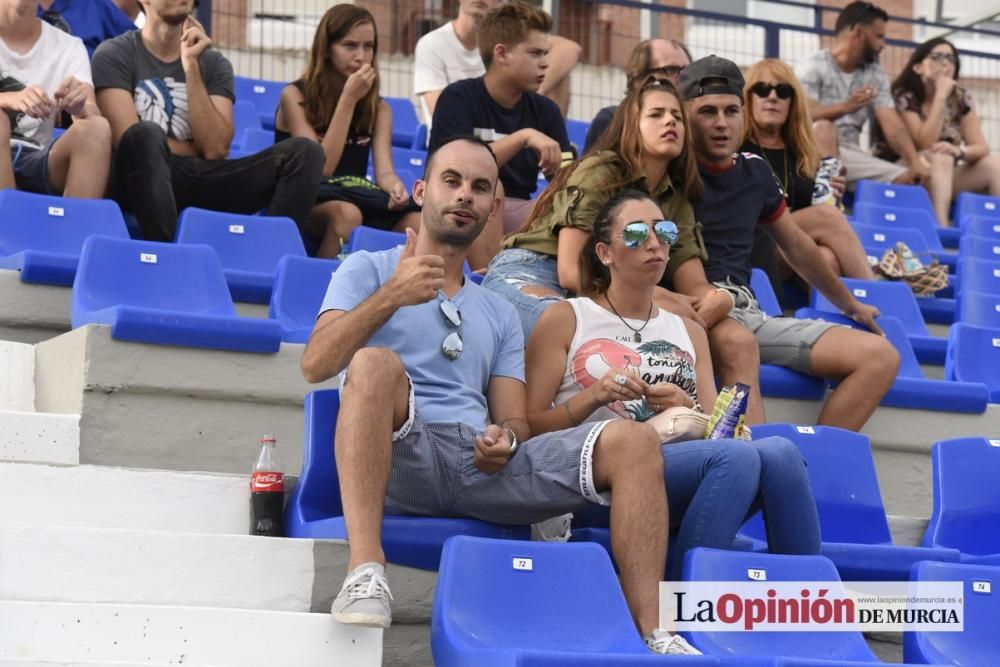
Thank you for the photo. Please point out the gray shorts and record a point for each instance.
(783, 341)
(433, 474)
(862, 164)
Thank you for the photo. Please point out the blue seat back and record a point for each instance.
(892, 194)
(404, 121)
(60, 225)
(978, 275)
(877, 238)
(966, 496)
(761, 286)
(982, 247)
(922, 220)
(244, 117)
(979, 225)
(256, 139)
(299, 287)
(264, 95)
(374, 240)
(243, 242)
(969, 204)
(978, 309)
(409, 160)
(162, 276)
(974, 356)
(977, 643)
(891, 298)
(420, 138)
(703, 564)
(318, 490)
(576, 130)
(487, 598)
(844, 482)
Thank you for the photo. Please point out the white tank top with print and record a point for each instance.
(602, 342)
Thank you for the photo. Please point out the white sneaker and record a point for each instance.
(664, 643)
(364, 598)
(556, 529)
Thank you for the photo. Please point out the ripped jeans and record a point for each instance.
(513, 269)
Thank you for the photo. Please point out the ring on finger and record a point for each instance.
(620, 379)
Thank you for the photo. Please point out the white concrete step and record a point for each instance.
(148, 567)
(74, 634)
(37, 436)
(87, 496)
(17, 376)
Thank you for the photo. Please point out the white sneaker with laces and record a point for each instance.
(664, 643)
(364, 598)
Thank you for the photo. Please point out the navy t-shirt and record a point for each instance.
(735, 200)
(465, 107)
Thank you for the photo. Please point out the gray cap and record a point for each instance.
(709, 76)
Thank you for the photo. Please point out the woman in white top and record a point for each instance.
(582, 349)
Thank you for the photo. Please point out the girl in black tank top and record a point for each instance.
(336, 103)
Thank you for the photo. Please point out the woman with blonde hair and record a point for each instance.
(336, 103)
(778, 128)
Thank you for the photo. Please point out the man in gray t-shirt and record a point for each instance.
(169, 98)
(845, 85)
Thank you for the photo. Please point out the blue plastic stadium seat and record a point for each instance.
(894, 299)
(420, 138)
(981, 247)
(853, 524)
(255, 139)
(977, 643)
(244, 117)
(891, 215)
(703, 564)
(314, 510)
(876, 238)
(974, 356)
(163, 293)
(263, 94)
(249, 247)
(979, 225)
(409, 159)
(404, 121)
(966, 497)
(41, 235)
(979, 309)
(978, 275)
(577, 132)
(373, 240)
(509, 603)
(969, 204)
(868, 192)
(776, 381)
(299, 287)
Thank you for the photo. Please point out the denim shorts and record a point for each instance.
(513, 269)
(31, 167)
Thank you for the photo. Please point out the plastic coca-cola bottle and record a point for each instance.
(267, 491)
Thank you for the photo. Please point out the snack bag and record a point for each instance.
(729, 414)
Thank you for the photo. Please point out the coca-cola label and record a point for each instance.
(267, 482)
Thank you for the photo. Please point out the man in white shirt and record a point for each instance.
(450, 53)
(45, 74)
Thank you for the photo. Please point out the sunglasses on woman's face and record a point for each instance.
(784, 90)
(636, 233)
(942, 58)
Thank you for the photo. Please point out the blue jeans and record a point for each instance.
(714, 486)
(513, 269)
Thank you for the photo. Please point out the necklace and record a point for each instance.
(637, 335)
(784, 160)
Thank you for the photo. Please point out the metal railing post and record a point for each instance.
(772, 42)
(204, 15)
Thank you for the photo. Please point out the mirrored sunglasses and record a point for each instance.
(451, 346)
(784, 90)
(636, 233)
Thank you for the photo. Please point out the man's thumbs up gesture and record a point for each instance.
(418, 277)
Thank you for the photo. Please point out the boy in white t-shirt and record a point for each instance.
(450, 53)
(46, 73)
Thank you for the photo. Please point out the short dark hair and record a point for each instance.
(509, 25)
(468, 138)
(859, 13)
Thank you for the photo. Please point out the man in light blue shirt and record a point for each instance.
(433, 403)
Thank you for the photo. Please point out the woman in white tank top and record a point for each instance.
(581, 351)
